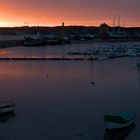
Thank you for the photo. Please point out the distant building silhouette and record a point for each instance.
(103, 30)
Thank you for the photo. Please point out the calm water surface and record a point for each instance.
(55, 100)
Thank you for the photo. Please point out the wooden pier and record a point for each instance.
(43, 58)
(39, 58)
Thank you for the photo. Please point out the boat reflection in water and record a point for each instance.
(119, 134)
(7, 117)
(138, 64)
(138, 72)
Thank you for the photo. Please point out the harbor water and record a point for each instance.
(66, 100)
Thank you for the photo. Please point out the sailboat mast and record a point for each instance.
(119, 24)
(114, 25)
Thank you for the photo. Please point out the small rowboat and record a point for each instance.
(119, 134)
(6, 107)
(119, 120)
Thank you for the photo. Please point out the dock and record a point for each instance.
(43, 58)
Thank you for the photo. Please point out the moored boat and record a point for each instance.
(6, 107)
(119, 120)
(28, 41)
(7, 117)
(119, 134)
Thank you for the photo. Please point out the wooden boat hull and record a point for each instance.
(118, 134)
(115, 126)
(119, 120)
(7, 117)
(6, 107)
(7, 110)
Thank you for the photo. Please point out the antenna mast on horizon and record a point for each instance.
(114, 24)
(119, 21)
(123, 27)
(119, 24)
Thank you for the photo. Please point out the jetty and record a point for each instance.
(43, 58)
(34, 58)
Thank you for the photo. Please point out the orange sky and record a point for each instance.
(80, 12)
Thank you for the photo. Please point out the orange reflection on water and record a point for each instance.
(8, 69)
(4, 52)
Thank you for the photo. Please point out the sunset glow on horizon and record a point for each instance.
(80, 12)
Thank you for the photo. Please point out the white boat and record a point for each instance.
(119, 120)
(6, 107)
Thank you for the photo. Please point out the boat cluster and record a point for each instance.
(111, 51)
(43, 41)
